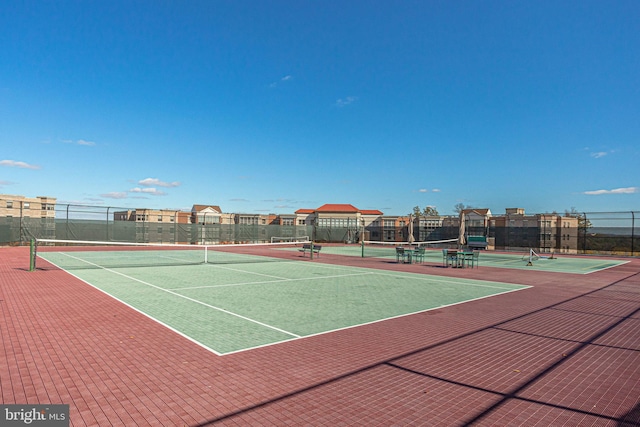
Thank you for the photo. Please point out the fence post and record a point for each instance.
(633, 228)
(32, 255)
(584, 229)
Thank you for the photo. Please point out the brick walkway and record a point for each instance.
(565, 352)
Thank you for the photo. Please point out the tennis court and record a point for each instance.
(238, 301)
(521, 358)
(515, 260)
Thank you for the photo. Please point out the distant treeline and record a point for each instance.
(609, 243)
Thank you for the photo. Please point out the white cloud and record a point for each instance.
(346, 101)
(114, 195)
(436, 190)
(148, 182)
(423, 190)
(79, 142)
(16, 164)
(626, 190)
(283, 79)
(150, 190)
(599, 154)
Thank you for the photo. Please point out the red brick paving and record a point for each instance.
(565, 352)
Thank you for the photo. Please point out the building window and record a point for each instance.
(248, 220)
(26, 205)
(10, 204)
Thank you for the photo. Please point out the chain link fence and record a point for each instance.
(607, 233)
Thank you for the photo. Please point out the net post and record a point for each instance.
(311, 251)
(362, 248)
(32, 255)
(206, 255)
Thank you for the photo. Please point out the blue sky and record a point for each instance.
(272, 106)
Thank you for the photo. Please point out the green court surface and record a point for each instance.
(257, 301)
(558, 264)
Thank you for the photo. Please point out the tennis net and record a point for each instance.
(377, 249)
(79, 254)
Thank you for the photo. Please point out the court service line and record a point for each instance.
(605, 266)
(187, 298)
(456, 281)
(248, 272)
(426, 277)
(506, 291)
(274, 281)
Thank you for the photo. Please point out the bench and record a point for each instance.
(307, 247)
(477, 242)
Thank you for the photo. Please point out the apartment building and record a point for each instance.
(12, 206)
(305, 216)
(427, 227)
(206, 214)
(151, 225)
(23, 218)
(545, 233)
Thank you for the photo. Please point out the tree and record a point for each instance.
(583, 222)
(427, 211)
(430, 211)
(460, 207)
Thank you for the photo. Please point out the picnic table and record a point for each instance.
(459, 258)
(411, 255)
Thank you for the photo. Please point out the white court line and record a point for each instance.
(364, 271)
(448, 280)
(247, 272)
(187, 298)
(430, 278)
(506, 291)
(273, 281)
(606, 266)
(418, 276)
(182, 334)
